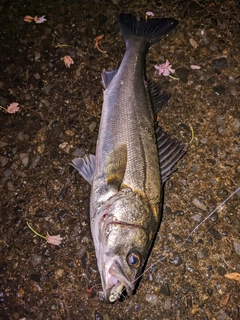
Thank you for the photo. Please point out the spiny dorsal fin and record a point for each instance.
(116, 166)
(169, 152)
(85, 166)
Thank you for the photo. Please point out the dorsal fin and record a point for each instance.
(170, 151)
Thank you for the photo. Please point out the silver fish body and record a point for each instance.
(125, 173)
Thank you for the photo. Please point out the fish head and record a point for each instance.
(123, 243)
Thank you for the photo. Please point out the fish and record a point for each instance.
(134, 157)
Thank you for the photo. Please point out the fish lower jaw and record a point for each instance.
(116, 292)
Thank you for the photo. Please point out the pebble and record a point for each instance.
(25, 158)
(165, 289)
(35, 277)
(183, 73)
(78, 152)
(199, 204)
(186, 288)
(34, 162)
(236, 125)
(41, 148)
(221, 315)
(36, 259)
(59, 273)
(236, 246)
(176, 259)
(220, 63)
(216, 234)
(219, 90)
(65, 147)
(151, 298)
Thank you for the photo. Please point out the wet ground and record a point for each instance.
(58, 120)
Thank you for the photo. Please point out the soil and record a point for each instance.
(58, 120)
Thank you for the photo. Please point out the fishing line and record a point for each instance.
(190, 234)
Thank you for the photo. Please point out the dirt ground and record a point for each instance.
(58, 120)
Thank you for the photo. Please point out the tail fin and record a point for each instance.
(151, 30)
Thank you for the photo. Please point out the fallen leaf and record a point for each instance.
(67, 61)
(224, 300)
(12, 108)
(40, 19)
(233, 276)
(97, 40)
(28, 19)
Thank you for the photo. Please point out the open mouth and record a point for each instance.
(117, 281)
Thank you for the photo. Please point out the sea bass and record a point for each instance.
(134, 157)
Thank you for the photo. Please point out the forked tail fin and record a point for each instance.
(150, 31)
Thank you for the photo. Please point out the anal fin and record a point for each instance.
(170, 151)
(85, 166)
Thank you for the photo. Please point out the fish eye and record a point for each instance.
(134, 259)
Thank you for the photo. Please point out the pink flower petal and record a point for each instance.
(149, 14)
(68, 61)
(12, 108)
(165, 68)
(40, 19)
(194, 67)
(55, 240)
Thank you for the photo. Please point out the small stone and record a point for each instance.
(36, 259)
(236, 246)
(92, 126)
(220, 63)
(221, 315)
(176, 259)
(35, 277)
(199, 204)
(25, 158)
(69, 263)
(236, 125)
(186, 288)
(41, 148)
(98, 315)
(183, 73)
(219, 90)
(152, 299)
(165, 289)
(221, 271)
(216, 234)
(59, 273)
(62, 215)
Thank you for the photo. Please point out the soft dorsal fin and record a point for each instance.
(158, 96)
(169, 152)
(116, 166)
(107, 77)
(85, 166)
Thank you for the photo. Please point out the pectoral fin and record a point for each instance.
(85, 166)
(116, 166)
(107, 77)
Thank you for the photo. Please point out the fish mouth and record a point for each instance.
(117, 282)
